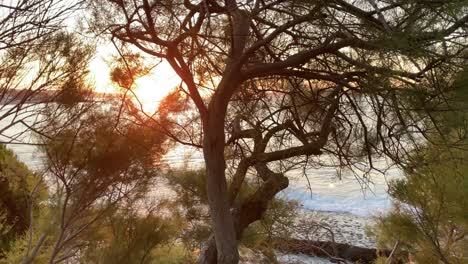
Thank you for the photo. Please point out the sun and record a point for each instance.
(148, 90)
(152, 88)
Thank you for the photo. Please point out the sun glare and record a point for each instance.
(149, 90)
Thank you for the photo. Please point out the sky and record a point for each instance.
(149, 89)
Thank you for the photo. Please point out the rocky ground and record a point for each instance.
(346, 228)
(318, 225)
(301, 259)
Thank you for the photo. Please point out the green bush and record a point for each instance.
(16, 184)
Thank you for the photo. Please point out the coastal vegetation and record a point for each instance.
(263, 88)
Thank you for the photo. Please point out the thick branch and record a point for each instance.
(295, 60)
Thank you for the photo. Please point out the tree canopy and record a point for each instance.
(429, 218)
(266, 86)
(276, 80)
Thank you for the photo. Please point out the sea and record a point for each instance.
(328, 189)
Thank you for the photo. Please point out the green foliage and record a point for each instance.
(191, 197)
(381, 260)
(100, 172)
(44, 228)
(16, 184)
(75, 56)
(276, 223)
(430, 217)
(131, 235)
(73, 91)
(172, 254)
(98, 154)
(128, 68)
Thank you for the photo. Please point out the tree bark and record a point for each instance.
(214, 141)
(218, 198)
(250, 211)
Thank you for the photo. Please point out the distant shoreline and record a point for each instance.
(13, 97)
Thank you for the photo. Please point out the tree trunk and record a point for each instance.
(218, 198)
(250, 211)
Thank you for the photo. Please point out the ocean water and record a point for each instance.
(325, 191)
(321, 190)
(14, 134)
(324, 188)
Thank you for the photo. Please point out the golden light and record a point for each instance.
(149, 90)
